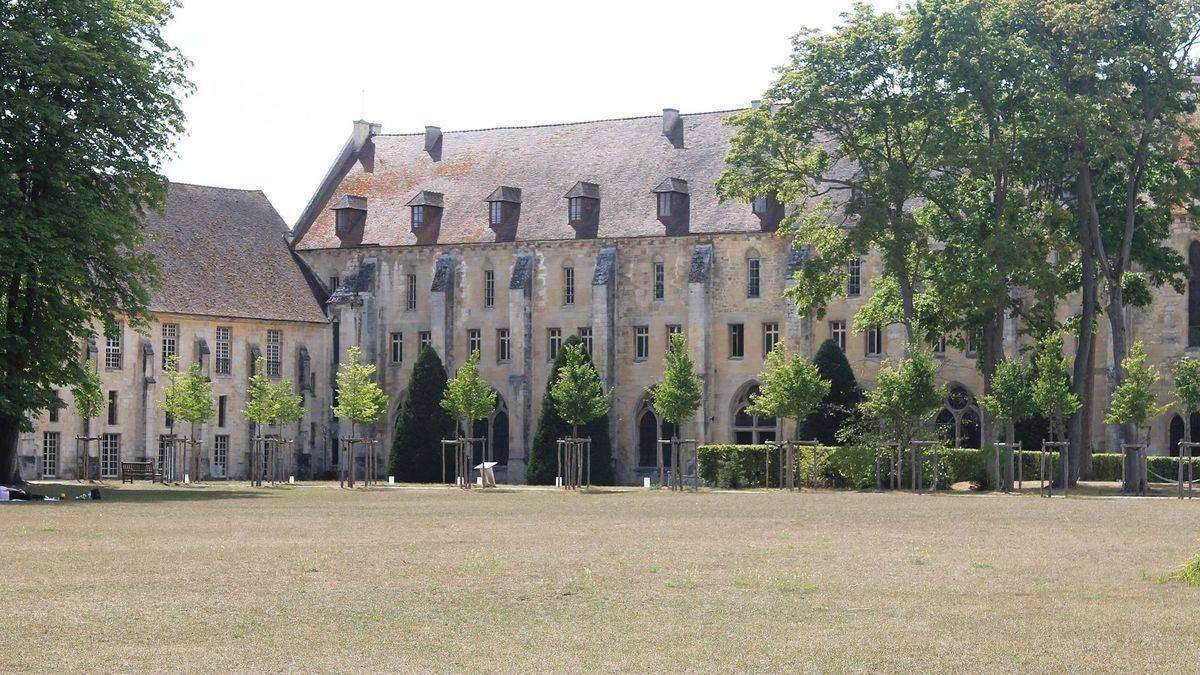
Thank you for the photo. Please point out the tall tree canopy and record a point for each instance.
(791, 387)
(539, 468)
(840, 406)
(578, 393)
(422, 423)
(360, 399)
(91, 109)
(679, 394)
(468, 397)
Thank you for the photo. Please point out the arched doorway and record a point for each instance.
(748, 428)
(650, 431)
(1175, 433)
(958, 422)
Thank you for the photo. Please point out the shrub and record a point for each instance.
(840, 405)
(422, 424)
(543, 456)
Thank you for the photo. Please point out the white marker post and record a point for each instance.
(646, 482)
(391, 480)
(291, 480)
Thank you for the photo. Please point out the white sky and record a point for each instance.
(278, 82)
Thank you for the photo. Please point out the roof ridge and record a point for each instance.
(563, 124)
(214, 187)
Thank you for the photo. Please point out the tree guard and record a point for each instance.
(895, 455)
(1185, 455)
(83, 457)
(350, 450)
(574, 463)
(681, 449)
(1005, 480)
(1046, 467)
(265, 460)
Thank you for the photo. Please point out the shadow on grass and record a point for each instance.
(168, 493)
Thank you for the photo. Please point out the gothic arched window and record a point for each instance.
(1193, 297)
(748, 428)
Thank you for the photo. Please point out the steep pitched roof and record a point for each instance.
(221, 253)
(627, 158)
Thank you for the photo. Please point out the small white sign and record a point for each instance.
(391, 480)
(646, 482)
(291, 480)
(479, 480)
(558, 481)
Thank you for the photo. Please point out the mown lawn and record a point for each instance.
(223, 577)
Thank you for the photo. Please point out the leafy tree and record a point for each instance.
(1187, 391)
(791, 388)
(360, 399)
(89, 393)
(188, 397)
(845, 132)
(679, 395)
(578, 392)
(1135, 403)
(1052, 395)
(905, 398)
(468, 397)
(269, 402)
(539, 469)
(839, 407)
(89, 402)
(422, 423)
(91, 110)
(1010, 400)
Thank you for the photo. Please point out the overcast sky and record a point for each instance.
(278, 82)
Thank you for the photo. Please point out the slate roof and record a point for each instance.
(627, 158)
(220, 253)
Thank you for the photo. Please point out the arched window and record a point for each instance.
(748, 428)
(1193, 300)
(958, 422)
(494, 430)
(650, 432)
(1176, 434)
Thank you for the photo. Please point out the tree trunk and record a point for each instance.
(991, 352)
(1081, 373)
(1120, 349)
(10, 434)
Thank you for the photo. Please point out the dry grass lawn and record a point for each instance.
(316, 578)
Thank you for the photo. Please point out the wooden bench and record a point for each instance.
(131, 471)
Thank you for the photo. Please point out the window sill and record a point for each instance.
(737, 358)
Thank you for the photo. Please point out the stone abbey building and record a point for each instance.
(507, 241)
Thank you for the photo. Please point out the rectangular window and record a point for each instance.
(110, 455)
(737, 340)
(585, 334)
(770, 337)
(112, 407)
(673, 329)
(474, 341)
(170, 342)
(972, 346)
(224, 350)
(503, 345)
(759, 206)
(222, 405)
(274, 353)
(495, 213)
(220, 467)
(50, 445)
(939, 346)
(418, 216)
(575, 206)
(112, 350)
(837, 333)
(169, 420)
(568, 285)
(333, 284)
(553, 342)
(54, 412)
(489, 288)
(397, 348)
(641, 342)
(664, 205)
(752, 278)
(425, 338)
(854, 278)
(660, 281)
(874, 341)
(411, 304)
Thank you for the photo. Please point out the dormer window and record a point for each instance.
(426, 215)
(769, 212)
(350, 216)
(583, 209)
(672, 205)
(504, 210)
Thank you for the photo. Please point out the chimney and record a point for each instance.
(364, 130)
(433, 142)
(673, 126)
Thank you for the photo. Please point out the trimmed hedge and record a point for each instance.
(853, 466)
